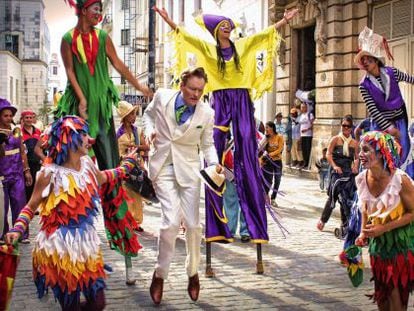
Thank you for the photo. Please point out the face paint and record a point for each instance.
(94, 13)
(367, 155)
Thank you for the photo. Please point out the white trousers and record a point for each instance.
(178, 204)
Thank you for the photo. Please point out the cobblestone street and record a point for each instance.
(302, 272)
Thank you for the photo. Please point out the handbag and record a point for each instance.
(139, 182)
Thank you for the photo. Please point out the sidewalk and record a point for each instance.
(303, 193)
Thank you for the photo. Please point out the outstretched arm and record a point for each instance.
(123, 70)
(287, 16)
(164, 14)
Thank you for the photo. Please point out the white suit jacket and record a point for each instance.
(183, 142)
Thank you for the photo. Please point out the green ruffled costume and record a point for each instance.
(101, 94)
(392, 253)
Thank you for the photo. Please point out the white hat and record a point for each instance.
(372, 44)
(125, 108)
(212, 179)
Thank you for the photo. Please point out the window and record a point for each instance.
(125, 4)
(54, 70)
(12, 44)
(394, 19)
(125, 37)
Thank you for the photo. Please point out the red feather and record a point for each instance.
(71, 3)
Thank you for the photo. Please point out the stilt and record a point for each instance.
(209, 269)
(130, 280)
(259, 264)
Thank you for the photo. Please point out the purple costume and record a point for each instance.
(235, 106)
(11, 168)
(394, 102)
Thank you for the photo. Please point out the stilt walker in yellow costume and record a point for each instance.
(238, 72)
(91, 93)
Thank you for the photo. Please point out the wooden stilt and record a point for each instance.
(209, 269)
(259, 264)
(130, 280)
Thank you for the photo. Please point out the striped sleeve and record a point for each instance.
(382, 122)
(402, 76)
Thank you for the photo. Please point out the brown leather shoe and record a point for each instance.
(193, 287)
(156, 289)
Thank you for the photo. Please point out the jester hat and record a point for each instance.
(62, 135)
(81, 4)
(386, 145)
(213, 23)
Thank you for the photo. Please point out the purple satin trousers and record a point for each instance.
(235, 106)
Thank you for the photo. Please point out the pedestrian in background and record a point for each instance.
(231, 200)
(342, 155)
(129, 136)
(271, 161)
(14, 168)
(363, 127)
(386, 202)
(296, 151)
(306, 120)
(323, 167)
(31, 136)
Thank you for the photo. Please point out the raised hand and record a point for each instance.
(288, 15)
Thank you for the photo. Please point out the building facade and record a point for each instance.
(319, 49)
(24, 53)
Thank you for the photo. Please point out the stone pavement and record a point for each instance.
(302, 271)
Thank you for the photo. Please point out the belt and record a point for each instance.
(11, 152)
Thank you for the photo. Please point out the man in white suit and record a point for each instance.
(179, 125)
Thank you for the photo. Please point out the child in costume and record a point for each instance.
(90, 93)
(236, 72)
(386, 201)
(67, 255)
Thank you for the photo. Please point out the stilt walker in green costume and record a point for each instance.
(90, 93)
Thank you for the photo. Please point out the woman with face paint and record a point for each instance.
(233, 79)
(66, 255)
(90, 93)
(381, 93)
(386, 201)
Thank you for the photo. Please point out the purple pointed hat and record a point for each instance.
(5, 104)
(213, 22)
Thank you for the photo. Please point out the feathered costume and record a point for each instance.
(67, 255)
(91, 68)
(392, 253)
